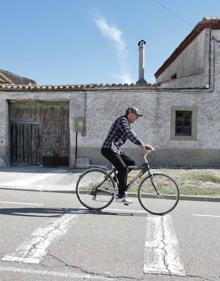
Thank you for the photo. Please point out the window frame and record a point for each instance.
(193, 135)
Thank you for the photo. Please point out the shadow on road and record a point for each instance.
(58, 212)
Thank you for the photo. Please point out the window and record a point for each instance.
(174, 76)
(183, 123)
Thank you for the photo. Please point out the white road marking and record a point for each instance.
(161, 253)
(20, 203)
(34, 249)
(55, 273)
(211, 216)
(126, 211)
(86, 210)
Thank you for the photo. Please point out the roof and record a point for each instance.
(78, 87)
(9, 78)
(207, 22)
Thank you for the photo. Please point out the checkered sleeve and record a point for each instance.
(126, 130)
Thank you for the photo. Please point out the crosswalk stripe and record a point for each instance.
(34, 249)
(161, 253)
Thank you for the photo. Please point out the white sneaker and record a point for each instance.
(124, 200)
(126, 196)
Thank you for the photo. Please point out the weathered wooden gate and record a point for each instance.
(39, 133)
(25, 144)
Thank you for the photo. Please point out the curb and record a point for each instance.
(190, 198)
(200, 198)
(131, 194)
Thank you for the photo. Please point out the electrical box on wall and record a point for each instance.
(79, 125)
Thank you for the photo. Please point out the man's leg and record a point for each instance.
(129, 162)
(121, 167)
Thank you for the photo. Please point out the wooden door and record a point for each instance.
(39, 133)
(25, 143)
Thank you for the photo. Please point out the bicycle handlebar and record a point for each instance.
(146, 154)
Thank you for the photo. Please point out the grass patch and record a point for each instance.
(206, 178)
(195, 182)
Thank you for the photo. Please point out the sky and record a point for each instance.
(58, 42)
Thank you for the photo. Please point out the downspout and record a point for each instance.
(84, 114)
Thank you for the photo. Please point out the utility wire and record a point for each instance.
(172, 13)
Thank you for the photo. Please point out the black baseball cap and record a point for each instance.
(133, 110)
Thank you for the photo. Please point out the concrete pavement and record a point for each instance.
(39, 179)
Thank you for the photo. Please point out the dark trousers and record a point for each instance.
(120, 162)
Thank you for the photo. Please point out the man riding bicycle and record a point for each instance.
(118, 134)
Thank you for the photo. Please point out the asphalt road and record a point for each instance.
(50, 236)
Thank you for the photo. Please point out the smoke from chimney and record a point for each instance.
(141, 80)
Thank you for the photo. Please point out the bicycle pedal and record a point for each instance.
(126, 204)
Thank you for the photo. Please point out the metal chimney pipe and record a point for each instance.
(141, 59)
(141, 80)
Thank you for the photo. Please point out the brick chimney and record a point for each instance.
(141, 80)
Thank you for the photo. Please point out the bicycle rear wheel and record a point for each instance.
(158, 194)
(94, 189)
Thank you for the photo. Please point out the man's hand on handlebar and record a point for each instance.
(147, 147)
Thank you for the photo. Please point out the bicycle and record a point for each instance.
(157, 193)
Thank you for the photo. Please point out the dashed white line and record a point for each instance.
(211, 216)
(161, 253)
(34, 249)
(55, 273)
(126, 211)
(21, 203)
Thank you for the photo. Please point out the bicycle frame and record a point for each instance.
(144, 168)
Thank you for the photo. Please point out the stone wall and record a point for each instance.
(155, 126)
(191, 67)
(4, 134)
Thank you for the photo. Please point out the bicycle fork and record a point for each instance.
(151, 175)
(152, 182)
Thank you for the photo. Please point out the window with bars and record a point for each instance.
(183, 124)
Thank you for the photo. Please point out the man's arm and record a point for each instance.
(125, 128)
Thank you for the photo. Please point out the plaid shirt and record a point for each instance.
(119, 132)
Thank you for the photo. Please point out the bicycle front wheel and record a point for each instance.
(158, 194)
(95, 189)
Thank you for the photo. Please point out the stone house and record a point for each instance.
(9, 78)
(51, 125)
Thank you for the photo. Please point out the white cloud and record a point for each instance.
(114, 34)
(111, 32)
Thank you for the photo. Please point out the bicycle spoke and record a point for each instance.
(94, 189)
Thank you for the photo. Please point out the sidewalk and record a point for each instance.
(54, 180)
(39, 179)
